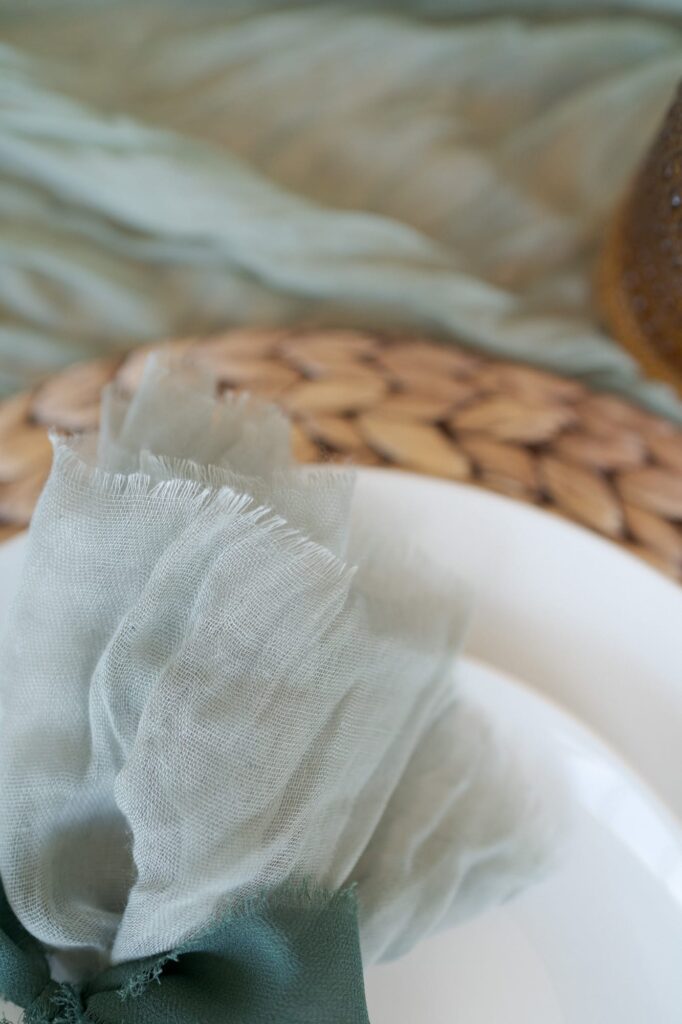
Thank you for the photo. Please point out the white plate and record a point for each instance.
(599, 942)
(570, 614)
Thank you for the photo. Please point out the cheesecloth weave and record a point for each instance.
(202, 701)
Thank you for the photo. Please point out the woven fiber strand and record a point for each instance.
(407, 402)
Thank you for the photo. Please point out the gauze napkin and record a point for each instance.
(204, 702)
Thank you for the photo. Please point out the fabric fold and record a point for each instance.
(203, 701)
(446, 168)
(292, 956)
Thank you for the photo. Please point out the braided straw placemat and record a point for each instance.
(407, 402)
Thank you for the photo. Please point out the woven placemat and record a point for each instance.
(406, 402)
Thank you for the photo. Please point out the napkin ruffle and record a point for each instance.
(204, 701)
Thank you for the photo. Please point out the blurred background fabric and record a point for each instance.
(170, 168)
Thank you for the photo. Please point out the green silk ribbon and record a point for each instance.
(288, 958)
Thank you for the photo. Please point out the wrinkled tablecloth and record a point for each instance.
(446, 167)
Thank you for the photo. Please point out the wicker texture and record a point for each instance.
(407, 402)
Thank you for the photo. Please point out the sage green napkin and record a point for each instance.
(171, 167)
(218, 733)
(293, 958)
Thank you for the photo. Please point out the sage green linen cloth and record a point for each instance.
(219, 690)
(447, 167)
(293, 957)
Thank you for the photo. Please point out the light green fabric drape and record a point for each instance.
(448, 167)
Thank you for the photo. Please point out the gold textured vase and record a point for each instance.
(639, 281)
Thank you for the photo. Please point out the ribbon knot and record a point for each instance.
(292, 957)
(57, 1003)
